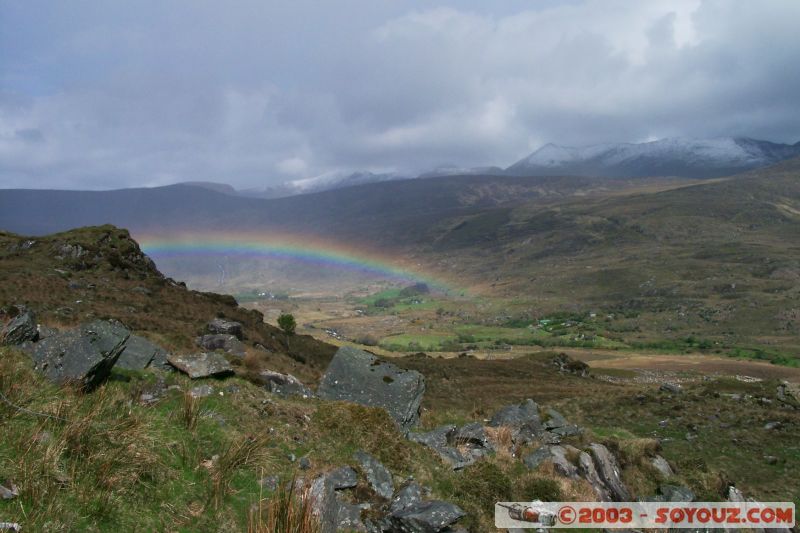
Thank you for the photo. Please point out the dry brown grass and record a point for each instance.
(502, 439)
(289, 510)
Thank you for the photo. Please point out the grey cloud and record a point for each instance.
(253, 93)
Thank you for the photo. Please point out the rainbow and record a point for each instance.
(281, 245)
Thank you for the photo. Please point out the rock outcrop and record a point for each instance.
(225, 327)
(458, 447)
(221, 341)
(201, 365)
(283, 384)
(139, 353)
(21, 328)
(83, 356)
(358, 376)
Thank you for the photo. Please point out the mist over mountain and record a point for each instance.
(683, 157)
(675, 157)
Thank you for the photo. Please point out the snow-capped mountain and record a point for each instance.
(693, 158)
(323, 182)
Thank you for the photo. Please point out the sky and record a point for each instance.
(101, 95)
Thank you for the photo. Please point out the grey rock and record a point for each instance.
(425, 517)
(548, 437)
(516, 416)
(770, 426)
(348, 516)
(663, 467)
(539, 455)
(676, 493)
(225, 327)
(220, 341)
(10, 492)
(45, 331)
(83, 356)
(357, 376)
(587, 471)
(440, 440)
(671, 388)
(138, 353)
(409, 495)
(562, 465)
(770, 459)
(609, 471)
(343, 478)
(305, 464)
(284, 384)
(201, 391)
(379, 478)
(473, 435)
(555, 420)
(21, 328)
(201, 365)
(324, 504)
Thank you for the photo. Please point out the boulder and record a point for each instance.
(284, 384)
(671, 388)
(220, 341)
(558, 425)
(343, 478)
(661, 464)
(439, 441)
(523, 419)
(425, 517)
(587, 471)
(225, 327)
(83, 356)
(201, 365)
(348, 516)
(21, 328)
(516, 416)
(10, 492)
(358, 376)
(459, 447)
(324, 504)
(568, 365)
(138, 353)
(539, 455)
(555, 454)
(409, 495)
(609, 470)
(379, 478)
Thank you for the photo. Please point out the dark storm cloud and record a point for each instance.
(98, 95)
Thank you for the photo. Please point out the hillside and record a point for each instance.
(100, 273)
(153, 449)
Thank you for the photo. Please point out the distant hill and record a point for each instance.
(691, 158)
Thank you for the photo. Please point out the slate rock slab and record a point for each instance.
(609, 470)
(83, 356)
(343, 478)
(358, 376)
(201, 365)
(379, 478)
(138, 353)
(220, 341)
(426, 517)
(225, 327)
(21, 328)
(407, 496)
